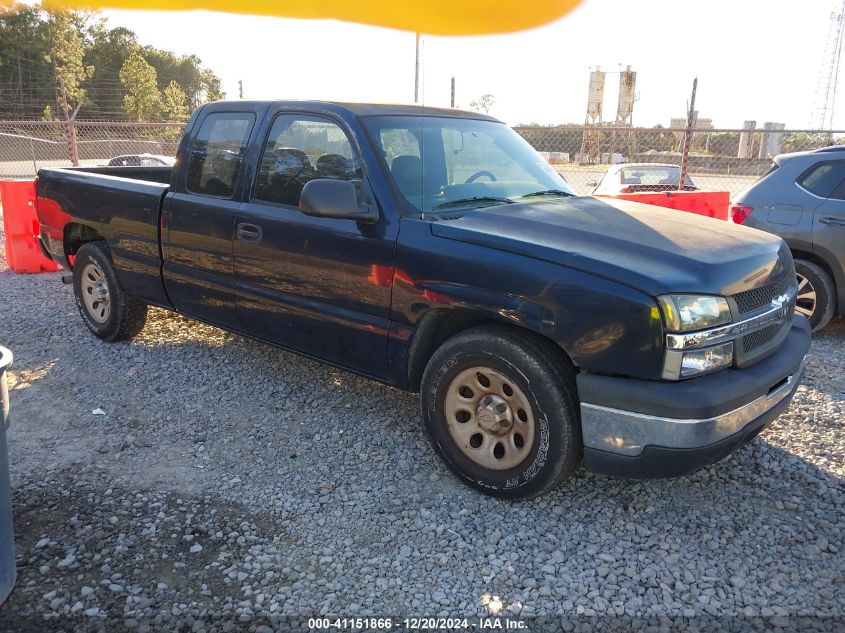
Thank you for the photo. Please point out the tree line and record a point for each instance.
(54, 63)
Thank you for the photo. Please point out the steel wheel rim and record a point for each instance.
(95, 293)
(489, 418)
(805, 302)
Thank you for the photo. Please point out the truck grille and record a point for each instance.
(755, 346)
(760, 337)
(754, 299)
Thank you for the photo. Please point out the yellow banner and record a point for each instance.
(433, 17)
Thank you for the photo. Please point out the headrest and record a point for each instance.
(407, 172)
(289, 157)
(333, 166)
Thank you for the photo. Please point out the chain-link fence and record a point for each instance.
(719, 159)
(27, 146)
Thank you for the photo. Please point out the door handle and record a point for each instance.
(249, 232)
(832, 221)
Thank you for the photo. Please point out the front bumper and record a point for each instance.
(640, 428)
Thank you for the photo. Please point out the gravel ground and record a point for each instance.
(228, 483)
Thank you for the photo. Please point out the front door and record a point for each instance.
(320, 286)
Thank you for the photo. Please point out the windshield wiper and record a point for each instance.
(550, 192)
(461, 201)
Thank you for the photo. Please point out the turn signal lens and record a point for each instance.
(704, 361)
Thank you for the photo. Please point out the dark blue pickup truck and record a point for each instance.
(435, 250)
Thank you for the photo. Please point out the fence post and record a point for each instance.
(688, 137)
(32, 151)
(72, 149)
(70, 127)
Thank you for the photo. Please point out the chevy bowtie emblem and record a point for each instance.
(782, 302)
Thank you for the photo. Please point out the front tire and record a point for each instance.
(816, 294)
(500, 408)
(107, 310)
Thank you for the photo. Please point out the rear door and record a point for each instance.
(788, 208)
(321, 286)
(198, 220)
(829, 234)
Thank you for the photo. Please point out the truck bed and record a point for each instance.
(121, 209)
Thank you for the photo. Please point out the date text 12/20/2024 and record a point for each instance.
(416, 624)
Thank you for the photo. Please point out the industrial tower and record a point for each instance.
(825, 101)
(591, 141)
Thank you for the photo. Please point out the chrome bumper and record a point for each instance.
(628, 432)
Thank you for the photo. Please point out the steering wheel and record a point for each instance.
(478, 175)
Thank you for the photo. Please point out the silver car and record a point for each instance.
(141, 160)
(802, 199)
(640, 178)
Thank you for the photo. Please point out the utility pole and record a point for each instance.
(70, 128)
(20, 81)
(688, 136)
(453, 92)
(417, 72)
(240, 89)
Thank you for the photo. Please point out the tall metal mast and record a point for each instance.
(829, 72)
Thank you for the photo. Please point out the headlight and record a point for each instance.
(684, 313)
(690, 313)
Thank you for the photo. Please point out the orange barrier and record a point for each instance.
(20, 224)
(713, 204)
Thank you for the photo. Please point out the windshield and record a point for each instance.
(440, 163)
(653, 175)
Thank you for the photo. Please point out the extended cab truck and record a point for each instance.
(434, 250)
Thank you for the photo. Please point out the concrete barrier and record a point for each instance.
(20, 221)
(712, 204)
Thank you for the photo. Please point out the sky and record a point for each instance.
(754, 59)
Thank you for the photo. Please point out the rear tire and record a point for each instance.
(107, 310)
(816, 294)
(500, 408)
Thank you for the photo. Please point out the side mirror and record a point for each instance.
(329, 198)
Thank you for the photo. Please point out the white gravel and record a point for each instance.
(229, 483)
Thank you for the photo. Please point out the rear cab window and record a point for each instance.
(216, 155)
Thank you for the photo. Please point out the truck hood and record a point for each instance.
(649, 248)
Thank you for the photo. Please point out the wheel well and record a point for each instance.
(818, 261)
(440, 325)
(75, 235)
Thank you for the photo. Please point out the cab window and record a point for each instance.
(299, 149)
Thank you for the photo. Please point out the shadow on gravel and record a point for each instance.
(88, 552)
